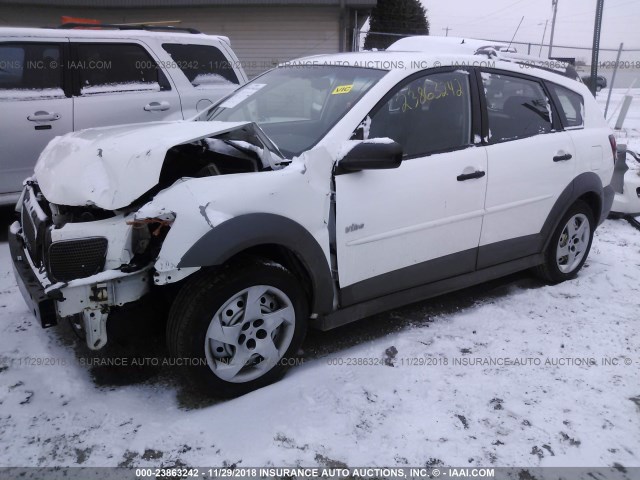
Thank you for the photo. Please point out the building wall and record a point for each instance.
(261, 36)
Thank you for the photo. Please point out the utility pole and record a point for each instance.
(447, 30)
(596, 47)
(554, 4)
(544, 33)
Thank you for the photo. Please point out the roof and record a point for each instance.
(182, 3)
(421, 43)
(414, 61)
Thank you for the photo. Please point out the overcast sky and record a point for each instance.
(498, 19)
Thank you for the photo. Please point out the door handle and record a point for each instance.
(470, 176)
(157, 106)
(562, 158)
(42, 116)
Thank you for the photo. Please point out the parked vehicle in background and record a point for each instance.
(601, 82)
(55, 81)
(626, 184)
(324, 191)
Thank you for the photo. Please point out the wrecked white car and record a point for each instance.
(320, 193)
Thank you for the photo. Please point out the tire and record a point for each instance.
(231, 348)
(569, 245)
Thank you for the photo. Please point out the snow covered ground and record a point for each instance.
(511, 373)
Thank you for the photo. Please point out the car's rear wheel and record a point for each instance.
(242, 326)
(569, 245)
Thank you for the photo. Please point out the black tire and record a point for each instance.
(202, 298)
(551, 271)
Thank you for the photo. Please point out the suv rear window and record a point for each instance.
(571, 106)
(117, 67)
(30, 70)
(203, 65)
(517, 107)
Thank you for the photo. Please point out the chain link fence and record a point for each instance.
(628, 67)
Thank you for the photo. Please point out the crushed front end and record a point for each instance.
(79, 263)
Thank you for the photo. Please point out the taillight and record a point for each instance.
(614, 147)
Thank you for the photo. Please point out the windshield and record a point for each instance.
(297, 105)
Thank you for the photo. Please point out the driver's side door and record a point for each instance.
(421, 222)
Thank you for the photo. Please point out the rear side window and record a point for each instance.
(571, 106)
(117, 67)
(517, 107)
(203, 65)
(30, 70)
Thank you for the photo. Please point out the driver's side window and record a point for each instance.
(430, 114)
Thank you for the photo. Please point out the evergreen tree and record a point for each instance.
(395, 16)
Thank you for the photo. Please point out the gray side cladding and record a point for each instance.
(514, 248)
(255, 229)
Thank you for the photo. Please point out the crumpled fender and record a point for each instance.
(220, 216)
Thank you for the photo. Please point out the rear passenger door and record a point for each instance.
(530, 160)
(34, 105)
(119, 83)
(593, 152)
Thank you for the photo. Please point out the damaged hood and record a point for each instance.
(113, 166)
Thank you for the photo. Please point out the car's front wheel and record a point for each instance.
(241, 326)
(569, 245)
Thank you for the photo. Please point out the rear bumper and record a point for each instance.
(40, 303)
(627, 202)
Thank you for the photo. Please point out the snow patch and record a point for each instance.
(120, 87)
(205, 80)
(28, 94)
(350, 144)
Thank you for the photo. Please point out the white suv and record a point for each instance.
(324, 191)
(55, 81)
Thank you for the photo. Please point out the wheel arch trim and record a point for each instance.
(243, 232)
(587, 183)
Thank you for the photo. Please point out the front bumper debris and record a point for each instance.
(91, 297)
(41, 303)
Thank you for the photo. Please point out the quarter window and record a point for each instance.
(571, 106)
(430, 114)
(30, 70)
(108, 68)
(203, 65)
(517, 108)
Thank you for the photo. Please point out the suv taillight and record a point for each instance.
(614, 147)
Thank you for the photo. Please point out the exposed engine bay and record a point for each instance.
(212, 156)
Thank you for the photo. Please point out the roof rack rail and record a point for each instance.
(558, 66)
(164, 28)
(493, 50)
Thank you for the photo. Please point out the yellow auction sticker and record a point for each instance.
(342, 89)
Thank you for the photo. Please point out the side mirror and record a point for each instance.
(371, 155)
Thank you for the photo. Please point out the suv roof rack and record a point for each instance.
(558, 66)
(470, 46)
(163, 28)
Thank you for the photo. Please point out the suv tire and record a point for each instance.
(569, 245)
(239, 328)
